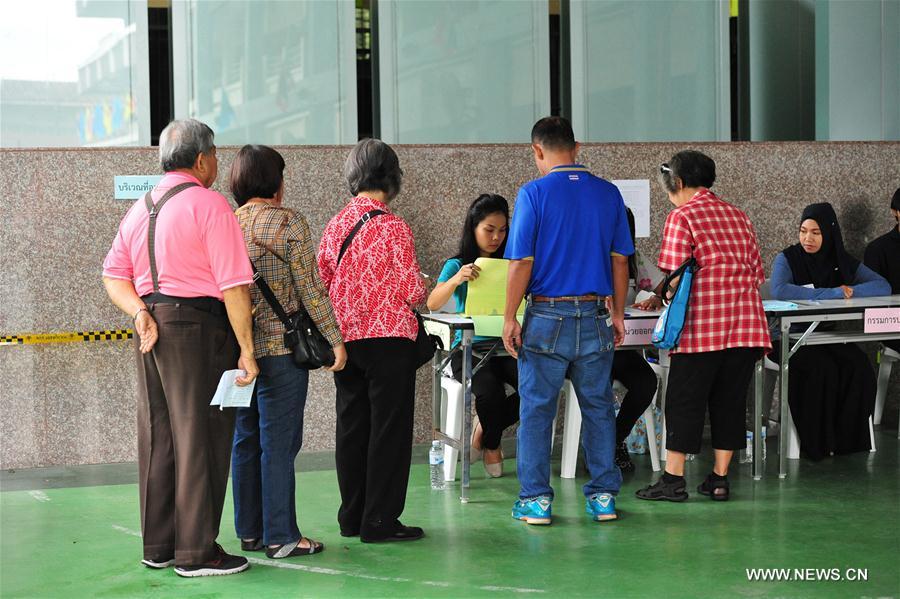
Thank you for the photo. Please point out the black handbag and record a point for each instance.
(426, 344)
(308, 346)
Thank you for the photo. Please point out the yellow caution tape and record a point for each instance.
(41, 338)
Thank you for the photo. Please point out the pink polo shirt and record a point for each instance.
(200, 249)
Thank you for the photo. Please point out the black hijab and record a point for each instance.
(831, 266)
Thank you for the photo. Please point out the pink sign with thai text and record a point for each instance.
(638, 331)
(881, 320)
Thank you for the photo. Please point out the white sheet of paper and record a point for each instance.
(229, 395)
(636, 193)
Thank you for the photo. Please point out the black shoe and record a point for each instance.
(252, 545)
(716, 489)
(158, 564)
(623, 460)
(403, 533)
(349, 533)
(664, 491)
(223, 565)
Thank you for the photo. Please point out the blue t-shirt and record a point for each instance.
(451, 267)
(569, 222)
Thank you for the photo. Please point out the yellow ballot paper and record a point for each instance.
(486, 297)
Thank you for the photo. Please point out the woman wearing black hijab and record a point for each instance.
(832, 387)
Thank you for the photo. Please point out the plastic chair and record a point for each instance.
(886, 362)
(572, 433)
(452, 419)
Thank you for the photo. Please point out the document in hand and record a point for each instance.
(486, 297)
(229, 395)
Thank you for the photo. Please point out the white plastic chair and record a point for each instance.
(452, 419)
(888, 357)
(572, 433)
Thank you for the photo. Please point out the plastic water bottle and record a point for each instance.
(746, 455)
(436, 461)
(764, 443)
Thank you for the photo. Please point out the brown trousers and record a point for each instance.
(184, 444)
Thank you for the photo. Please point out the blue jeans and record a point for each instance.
(561, 339)
(267, 437)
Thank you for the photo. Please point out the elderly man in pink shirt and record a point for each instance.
(179, 267)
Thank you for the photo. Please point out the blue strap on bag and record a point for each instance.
(668, 328)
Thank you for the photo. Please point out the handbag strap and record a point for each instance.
(675, 274)
(272, 299)
(365, 218)
(153, 211)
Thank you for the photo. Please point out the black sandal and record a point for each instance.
(716, 489)
(252, 545)
(283, 551)
(663, 491)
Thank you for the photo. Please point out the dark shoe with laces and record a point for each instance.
(159, 564)
(716, 488)
(623, 460)
(252, 545)
(402, 533)
(222, 565)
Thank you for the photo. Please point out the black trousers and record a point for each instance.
(832, 395)
(716, 381)
(631, 369)
(373, 446)
(495, 410)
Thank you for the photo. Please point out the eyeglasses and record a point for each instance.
(664, 168)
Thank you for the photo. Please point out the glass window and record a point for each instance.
(74, 73)
(469, 71)
(647, 70)
(267, 72)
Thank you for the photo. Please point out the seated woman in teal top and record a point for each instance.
(483, 236)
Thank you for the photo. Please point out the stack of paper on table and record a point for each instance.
(486, 297)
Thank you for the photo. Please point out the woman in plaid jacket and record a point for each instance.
(268, 434)
(725, 329)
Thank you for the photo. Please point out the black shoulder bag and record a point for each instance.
(309, 347)
(425, 344)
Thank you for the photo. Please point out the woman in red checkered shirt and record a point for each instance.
(372, 285)
(725, 329)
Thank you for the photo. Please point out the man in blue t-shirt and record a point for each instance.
(568, 243)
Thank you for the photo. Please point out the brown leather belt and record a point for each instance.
(567, 298)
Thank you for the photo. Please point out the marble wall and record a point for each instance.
(74, 403)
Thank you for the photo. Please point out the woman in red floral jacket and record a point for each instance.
(372, 284)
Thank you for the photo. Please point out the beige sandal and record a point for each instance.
(474, 454)
(494, 470)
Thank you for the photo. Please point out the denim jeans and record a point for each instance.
(267, 437)
(559, 340)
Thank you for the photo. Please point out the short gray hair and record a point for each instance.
(182, 141)
(373, 166)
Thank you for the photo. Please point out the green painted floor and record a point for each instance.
(59, 539)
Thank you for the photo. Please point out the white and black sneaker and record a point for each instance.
(223, 565)
(158, 564)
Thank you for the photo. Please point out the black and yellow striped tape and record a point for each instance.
(41, 338)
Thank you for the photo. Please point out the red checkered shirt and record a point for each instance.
(725, 309)
(378, 278)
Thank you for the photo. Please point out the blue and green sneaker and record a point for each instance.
(601, 507)
(533, 511)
